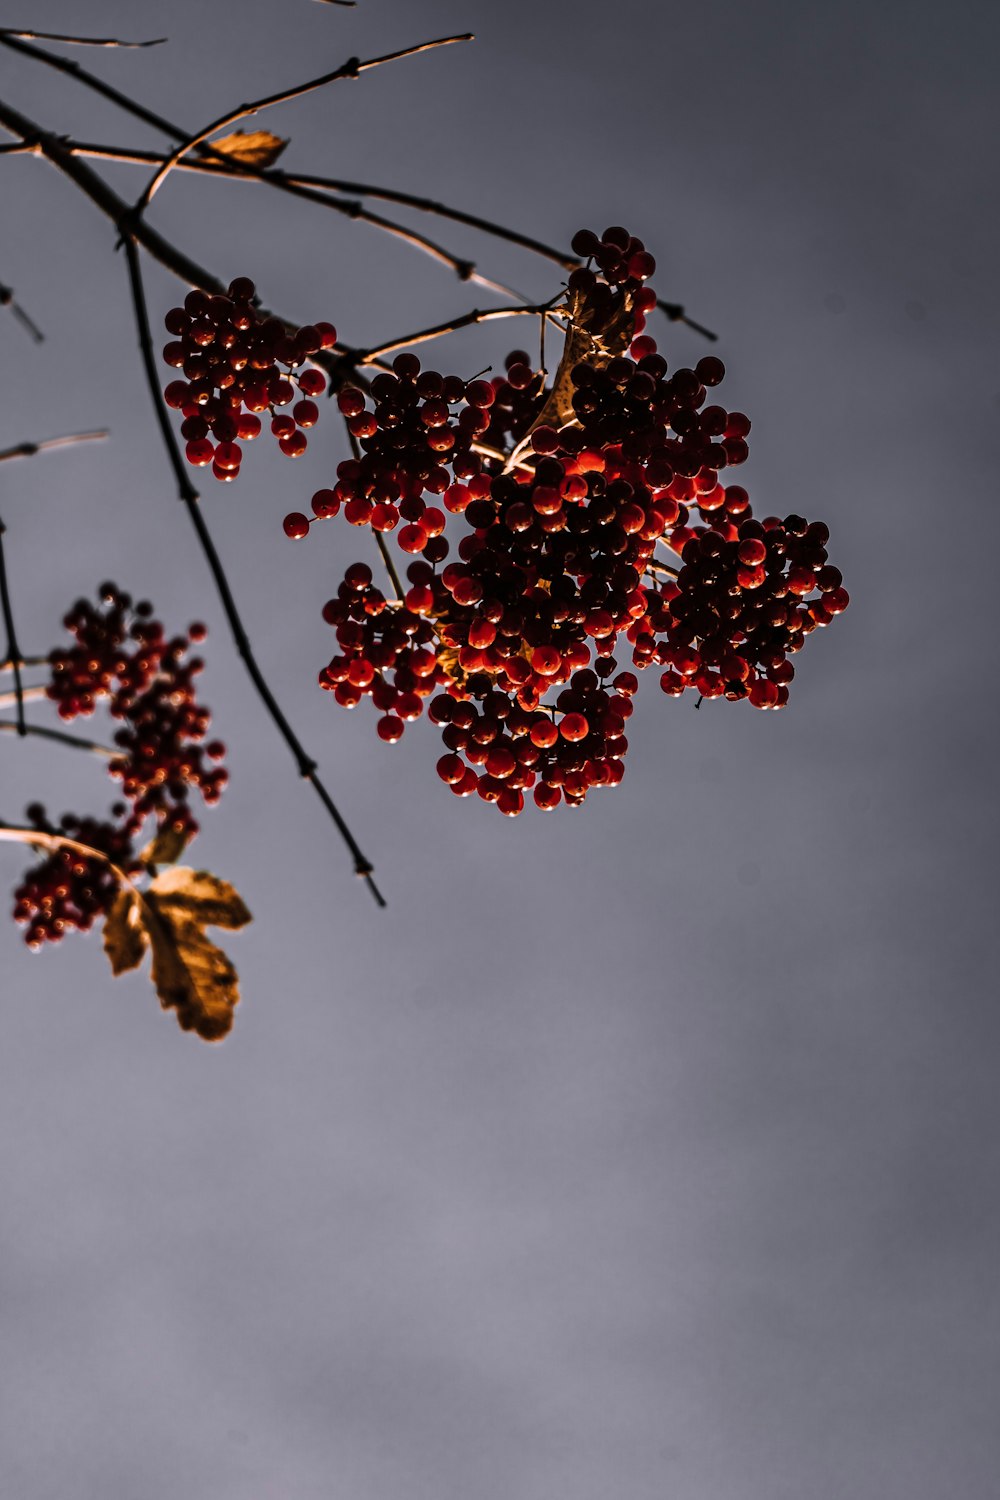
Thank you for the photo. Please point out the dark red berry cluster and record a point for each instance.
(68, 890)
(121, 654)
(238, 365)
(562, 493)
(386, 654)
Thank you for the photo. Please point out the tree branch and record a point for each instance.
(38, 838)
(77, 742)
(79, 41)
(367, 356)
(350, 69)
(13, 653)
(27, 450)
(189, 495)
(44, 143)
(7, 299)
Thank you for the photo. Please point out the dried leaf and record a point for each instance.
(190, 974)
(594, 334)
(252, 148)
(124, 935)
(168, 845)
(202, 897)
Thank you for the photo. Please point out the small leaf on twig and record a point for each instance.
(124, 935)
(252, 148)
(167, 847)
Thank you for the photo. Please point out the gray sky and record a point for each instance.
(649, 1150)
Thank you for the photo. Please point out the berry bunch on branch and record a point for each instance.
(535, 539)
(557, 494)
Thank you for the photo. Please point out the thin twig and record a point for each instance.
(672, 310)
(27, 450)
(39, 838)
(189, 495)
(13, 653)
(28, 695)
(350, 69)
(366, 356)
(313, 190)
(387, 558)
(7, 299)
(113, 207)
(80, 41)
(26, 661)
(62, 738)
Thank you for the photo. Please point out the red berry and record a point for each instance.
(296, 525)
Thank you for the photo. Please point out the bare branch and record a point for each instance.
(189, 495)
(7, 299)
(350, 69)
(13, 652)
(79, 41)
(28, 695)
(61, 737)
(39, 838)
(27, 450)
(367, 356)
(44, 143)
(26, 661)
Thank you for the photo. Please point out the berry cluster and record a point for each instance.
(67, 891)
(236, 366)
(122, 654)
(563, 492)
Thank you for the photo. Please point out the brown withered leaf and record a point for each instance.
(203, 897)
(592, 335)
(252, 148)
(167, 846)
(124, 934)
(189, 973)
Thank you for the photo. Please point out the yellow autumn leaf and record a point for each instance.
(190, 974)
(251, 148)
(124, 935)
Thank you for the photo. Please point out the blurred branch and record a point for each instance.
(7, 299)
(38, 838)
(13, 653)
(27, 450)
(61, 737)
(189, 495)
(350, 69)
(28, 695)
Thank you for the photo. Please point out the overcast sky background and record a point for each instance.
(648, 1150)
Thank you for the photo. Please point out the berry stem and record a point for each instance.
(390, 566)
(61, 737)
(350, 69)
(189, 495)
(13, 653)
